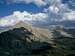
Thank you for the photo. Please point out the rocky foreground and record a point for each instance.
(32, 41)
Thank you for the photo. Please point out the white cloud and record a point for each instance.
(56, 6)
(37, 2)
(29, 16)
(69, 16)
(55, 12)
(21, 16)
(8, 21)
(54, 9)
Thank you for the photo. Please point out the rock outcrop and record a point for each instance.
(20, 41)
(32, 41)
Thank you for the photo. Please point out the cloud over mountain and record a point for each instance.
(55, 12)
(18, 16)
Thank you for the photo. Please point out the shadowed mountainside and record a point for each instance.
(20, 41)
(32, 41)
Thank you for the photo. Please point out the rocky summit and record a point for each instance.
(25, 40)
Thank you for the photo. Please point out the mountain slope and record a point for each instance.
(21, 41)
(24, 40)
(40, 33)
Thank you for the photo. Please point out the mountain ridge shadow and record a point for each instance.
(20, 41)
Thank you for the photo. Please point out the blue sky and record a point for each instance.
(33, 11)
(6, 9)
(70, 3)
